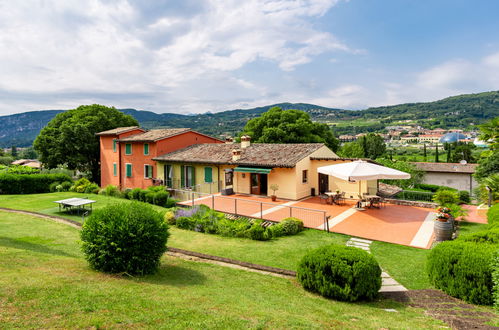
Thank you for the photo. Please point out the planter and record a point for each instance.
(443, 230)
(274, 198)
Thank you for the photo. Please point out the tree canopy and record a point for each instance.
(489, 131)
(69, 139)
(368, 146)
(289, 126)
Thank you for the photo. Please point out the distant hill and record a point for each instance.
(452, 112)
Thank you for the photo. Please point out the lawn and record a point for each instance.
(404, 264)
(46, 283)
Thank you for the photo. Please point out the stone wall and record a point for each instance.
(428, 205)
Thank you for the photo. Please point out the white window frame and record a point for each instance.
(145, 171)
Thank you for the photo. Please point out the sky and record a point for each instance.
(194, 56)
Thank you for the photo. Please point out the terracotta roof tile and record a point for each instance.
(154, 135)
(119, 130)
(446, 167)
(257, 154)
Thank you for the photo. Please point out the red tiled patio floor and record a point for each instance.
(475, 215)
(392, 223)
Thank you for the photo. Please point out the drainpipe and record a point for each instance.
(119, 165)
(218, 178)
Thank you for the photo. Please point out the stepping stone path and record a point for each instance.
(388, 284)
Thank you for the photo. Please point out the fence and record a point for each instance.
(410, 195)
(206, 187)
(253, 209)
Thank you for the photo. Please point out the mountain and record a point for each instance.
(460, 111)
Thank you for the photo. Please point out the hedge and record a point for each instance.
(495, 279)
(493, 215)
(463, 269)
(340, 272)
(29, 183)
(489, 236)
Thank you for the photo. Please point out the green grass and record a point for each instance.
(405, 264)
(46, 283)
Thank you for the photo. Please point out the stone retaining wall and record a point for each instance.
(428, 205)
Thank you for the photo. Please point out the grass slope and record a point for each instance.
(46, 283)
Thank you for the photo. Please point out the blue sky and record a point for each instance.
(196, 56)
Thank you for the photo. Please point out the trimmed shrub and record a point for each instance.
(29, 183)
(53, 186)
(185, 223)
(92, 188)
(161, 198)
(143, 195)
(432, 187)
(489, 236)
(291, 226)
(446, 197)
(111, 190)
(125, 238)
(135, 194)
(493, 215)
(463, 270)
(495, 279)
(171, 202)
(66, 185)
(464, 196)
(340, 272)
(257, 232)
(276, 230)
(170, 217)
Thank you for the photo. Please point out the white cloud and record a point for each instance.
(62, 53)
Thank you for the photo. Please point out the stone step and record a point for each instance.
(361, 240)
(388, 281)
(392, 288)
(358, 243)
(385, 275)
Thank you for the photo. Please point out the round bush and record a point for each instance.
(291, 226)
(53, 186)
(340, 272)
(124, 238)
(495, 279)
(463, 270)
(489, 236)
(66, 185)
(170, 217)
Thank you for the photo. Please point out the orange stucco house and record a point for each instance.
(126, 153)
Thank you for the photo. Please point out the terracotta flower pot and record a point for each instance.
(274, 198)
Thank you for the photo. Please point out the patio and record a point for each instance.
(405, 225)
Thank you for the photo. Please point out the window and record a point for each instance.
(146, 149)
(229, 175)
(187, 176)
(147, 171)
(208, 175)
(129, 170)
(169, 176)
(114, 145)
(304, 176)
(128, 149)
(115, 169)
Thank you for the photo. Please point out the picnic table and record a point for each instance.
(373, 200)
(72, 204)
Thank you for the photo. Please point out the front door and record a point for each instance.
(255, 183)
(323, 183)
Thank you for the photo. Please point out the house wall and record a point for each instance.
(108, 157)
(286, 179)
(304, 189)
(459, 181)
(161, 147)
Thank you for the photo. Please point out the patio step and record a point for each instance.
(361, 240)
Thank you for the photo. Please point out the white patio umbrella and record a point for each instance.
(361, 170)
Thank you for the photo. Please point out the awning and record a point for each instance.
(253, 170)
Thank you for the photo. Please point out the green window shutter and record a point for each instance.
(193, 177)
(128, 149)
(208, 174)
(114, 145)
(129, 170)
(115, 169)
(146, 148)
(182, 176)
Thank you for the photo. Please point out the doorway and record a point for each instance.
(258, 184)
(323, 183)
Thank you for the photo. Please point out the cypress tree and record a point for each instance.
(436, 153)
(424, 151)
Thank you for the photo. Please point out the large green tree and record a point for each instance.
(368, 146)
(289, 126)
(489, 131)
(69, 139)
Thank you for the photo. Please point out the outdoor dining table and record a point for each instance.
(74, 203)
(372, 199)
(332, 195)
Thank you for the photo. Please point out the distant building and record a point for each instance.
(429, 138)
(454, 175)
(33, 163)
(347, 138)
(452, 137)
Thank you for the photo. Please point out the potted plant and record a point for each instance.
(274, 187)
(443, 214)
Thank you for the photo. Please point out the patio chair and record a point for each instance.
(324, 198)
(362, 201)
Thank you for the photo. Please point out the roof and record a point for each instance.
(446, 167)
(256, 154)
(118, 130)
(154, 135)
(347, 159)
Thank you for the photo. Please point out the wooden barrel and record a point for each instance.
(443, 231)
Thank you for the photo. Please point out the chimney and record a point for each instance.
(236, 154)
(229, 140)
(245, 141)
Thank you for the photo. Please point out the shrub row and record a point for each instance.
(493, 215)
(495, 279)
(156, 195)
(202, 219)
(29, 183)
(340, 272)
(432, 187)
